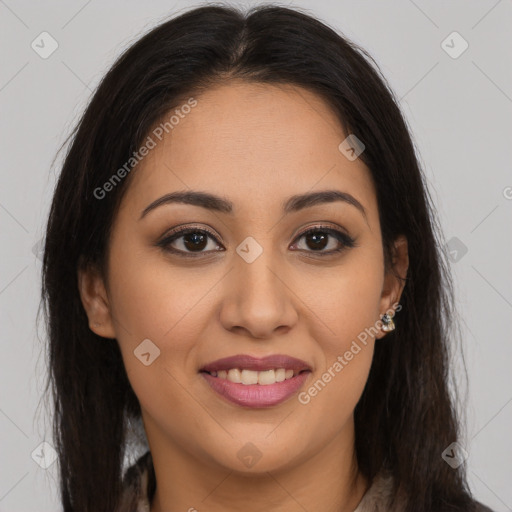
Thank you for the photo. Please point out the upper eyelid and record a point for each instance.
(180, 231)
(186, 229)
(327, 227)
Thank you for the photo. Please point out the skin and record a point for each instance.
(255, 145)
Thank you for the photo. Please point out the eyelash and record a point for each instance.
(345, 240)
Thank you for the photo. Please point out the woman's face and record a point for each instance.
(248, 282)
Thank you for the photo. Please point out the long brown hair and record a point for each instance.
(406, 416)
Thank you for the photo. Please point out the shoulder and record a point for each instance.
(379, 497)
(135, 485)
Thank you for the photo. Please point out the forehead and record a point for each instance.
(249, 141)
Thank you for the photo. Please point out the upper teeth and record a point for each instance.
(254, 377)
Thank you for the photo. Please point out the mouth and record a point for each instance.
(254, 382)
(252, 377)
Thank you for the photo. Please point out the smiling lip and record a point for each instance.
(247, 362)
(256, 395)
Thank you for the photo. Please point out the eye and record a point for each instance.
(318, 238)
(192, 241)
(187, 241)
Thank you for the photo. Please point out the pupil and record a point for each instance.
(198, 241)
(318, 239)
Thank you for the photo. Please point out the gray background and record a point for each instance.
(459, 111)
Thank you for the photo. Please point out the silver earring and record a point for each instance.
(387, 323)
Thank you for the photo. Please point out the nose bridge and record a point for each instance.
(257, 299)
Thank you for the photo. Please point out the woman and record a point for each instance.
(239, 217)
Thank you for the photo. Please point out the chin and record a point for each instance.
(257, 454)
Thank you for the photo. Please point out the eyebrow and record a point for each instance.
(220, 204)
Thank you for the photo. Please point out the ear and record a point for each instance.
(395, 279)
(95, 301)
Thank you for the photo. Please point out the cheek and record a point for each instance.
(158, 311)
(345, 301)
(154, 299)
(343, 314)
(346, 357)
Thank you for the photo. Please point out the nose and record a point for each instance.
(258, 300)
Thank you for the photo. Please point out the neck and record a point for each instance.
(326, 479)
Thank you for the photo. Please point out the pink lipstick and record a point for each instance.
(256, 382)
